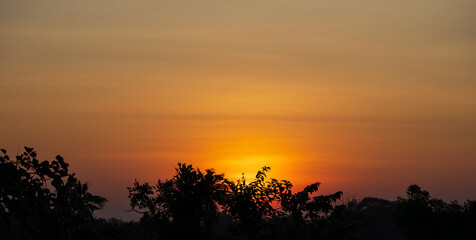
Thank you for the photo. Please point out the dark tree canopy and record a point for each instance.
(191, 201)
(424, 217)
(187, 201)
(42, 199)
(302, 208)
(249, 204)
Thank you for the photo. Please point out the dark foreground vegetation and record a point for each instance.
(43, 200)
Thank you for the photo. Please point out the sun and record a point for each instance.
(245, 153)
(248, 166)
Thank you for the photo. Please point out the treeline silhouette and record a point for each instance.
(43, 200)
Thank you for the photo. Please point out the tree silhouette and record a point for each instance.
(249, 204)
(184, 206)
(43, 200)
(302, 208)
(308, 214)
(415, 212)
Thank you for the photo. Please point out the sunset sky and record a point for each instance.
(366, 96)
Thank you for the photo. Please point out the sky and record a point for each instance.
(366, 97)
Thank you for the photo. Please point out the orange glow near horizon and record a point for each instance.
(247, 156)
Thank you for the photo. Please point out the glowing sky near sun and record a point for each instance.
(365, 96)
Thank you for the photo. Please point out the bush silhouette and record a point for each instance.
(43, 200)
